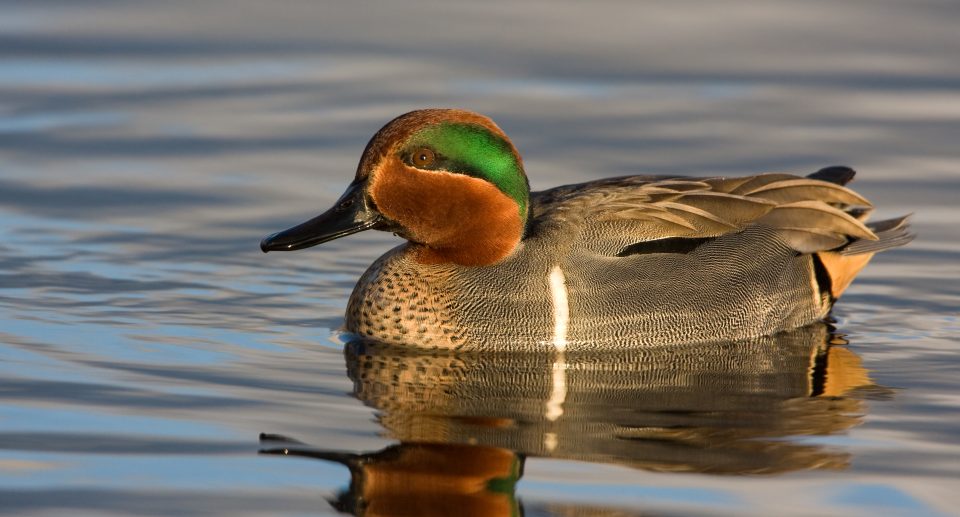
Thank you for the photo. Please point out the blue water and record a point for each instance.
(145, 341)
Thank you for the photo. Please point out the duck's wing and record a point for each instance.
(617, 215)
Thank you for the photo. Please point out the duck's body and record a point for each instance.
(618, 262)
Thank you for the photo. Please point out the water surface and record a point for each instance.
(146, 342)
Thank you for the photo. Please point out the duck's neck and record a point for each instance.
(451, 218)
(477, 245)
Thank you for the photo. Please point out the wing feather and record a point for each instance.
(809, 214)
(798, 189)
(810, 240)
(819, 216)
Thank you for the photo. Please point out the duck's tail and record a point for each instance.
(891, 233)
(843, 264)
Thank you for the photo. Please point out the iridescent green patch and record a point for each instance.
(475, 151)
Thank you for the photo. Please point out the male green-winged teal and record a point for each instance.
(638, 260)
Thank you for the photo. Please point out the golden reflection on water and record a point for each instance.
(466, 423)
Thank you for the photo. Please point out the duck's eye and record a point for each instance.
(423, 157)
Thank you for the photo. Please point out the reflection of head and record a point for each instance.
(721, 408)
(422, 479)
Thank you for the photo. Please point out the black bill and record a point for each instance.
(351, 214)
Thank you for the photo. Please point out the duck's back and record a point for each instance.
(636, 261)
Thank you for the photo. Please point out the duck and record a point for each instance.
(633, 261)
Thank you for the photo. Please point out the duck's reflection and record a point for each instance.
(422, 479)
(465, 422)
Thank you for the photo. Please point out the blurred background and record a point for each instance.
(146, 147)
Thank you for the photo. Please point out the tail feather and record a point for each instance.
(843, 264)
(891, 233)
(838, 174)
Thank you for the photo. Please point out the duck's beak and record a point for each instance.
(351, 214)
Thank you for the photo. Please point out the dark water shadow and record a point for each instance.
(466, 423)
(105, 443)
(70, 201)
(147, 501)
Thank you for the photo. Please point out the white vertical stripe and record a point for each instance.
(558, 395)
(550, 441)
(561, 308)
(561, 318)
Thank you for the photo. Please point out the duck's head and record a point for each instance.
(449, 181)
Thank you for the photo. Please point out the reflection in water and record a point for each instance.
(423, 479)
(466, 422)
